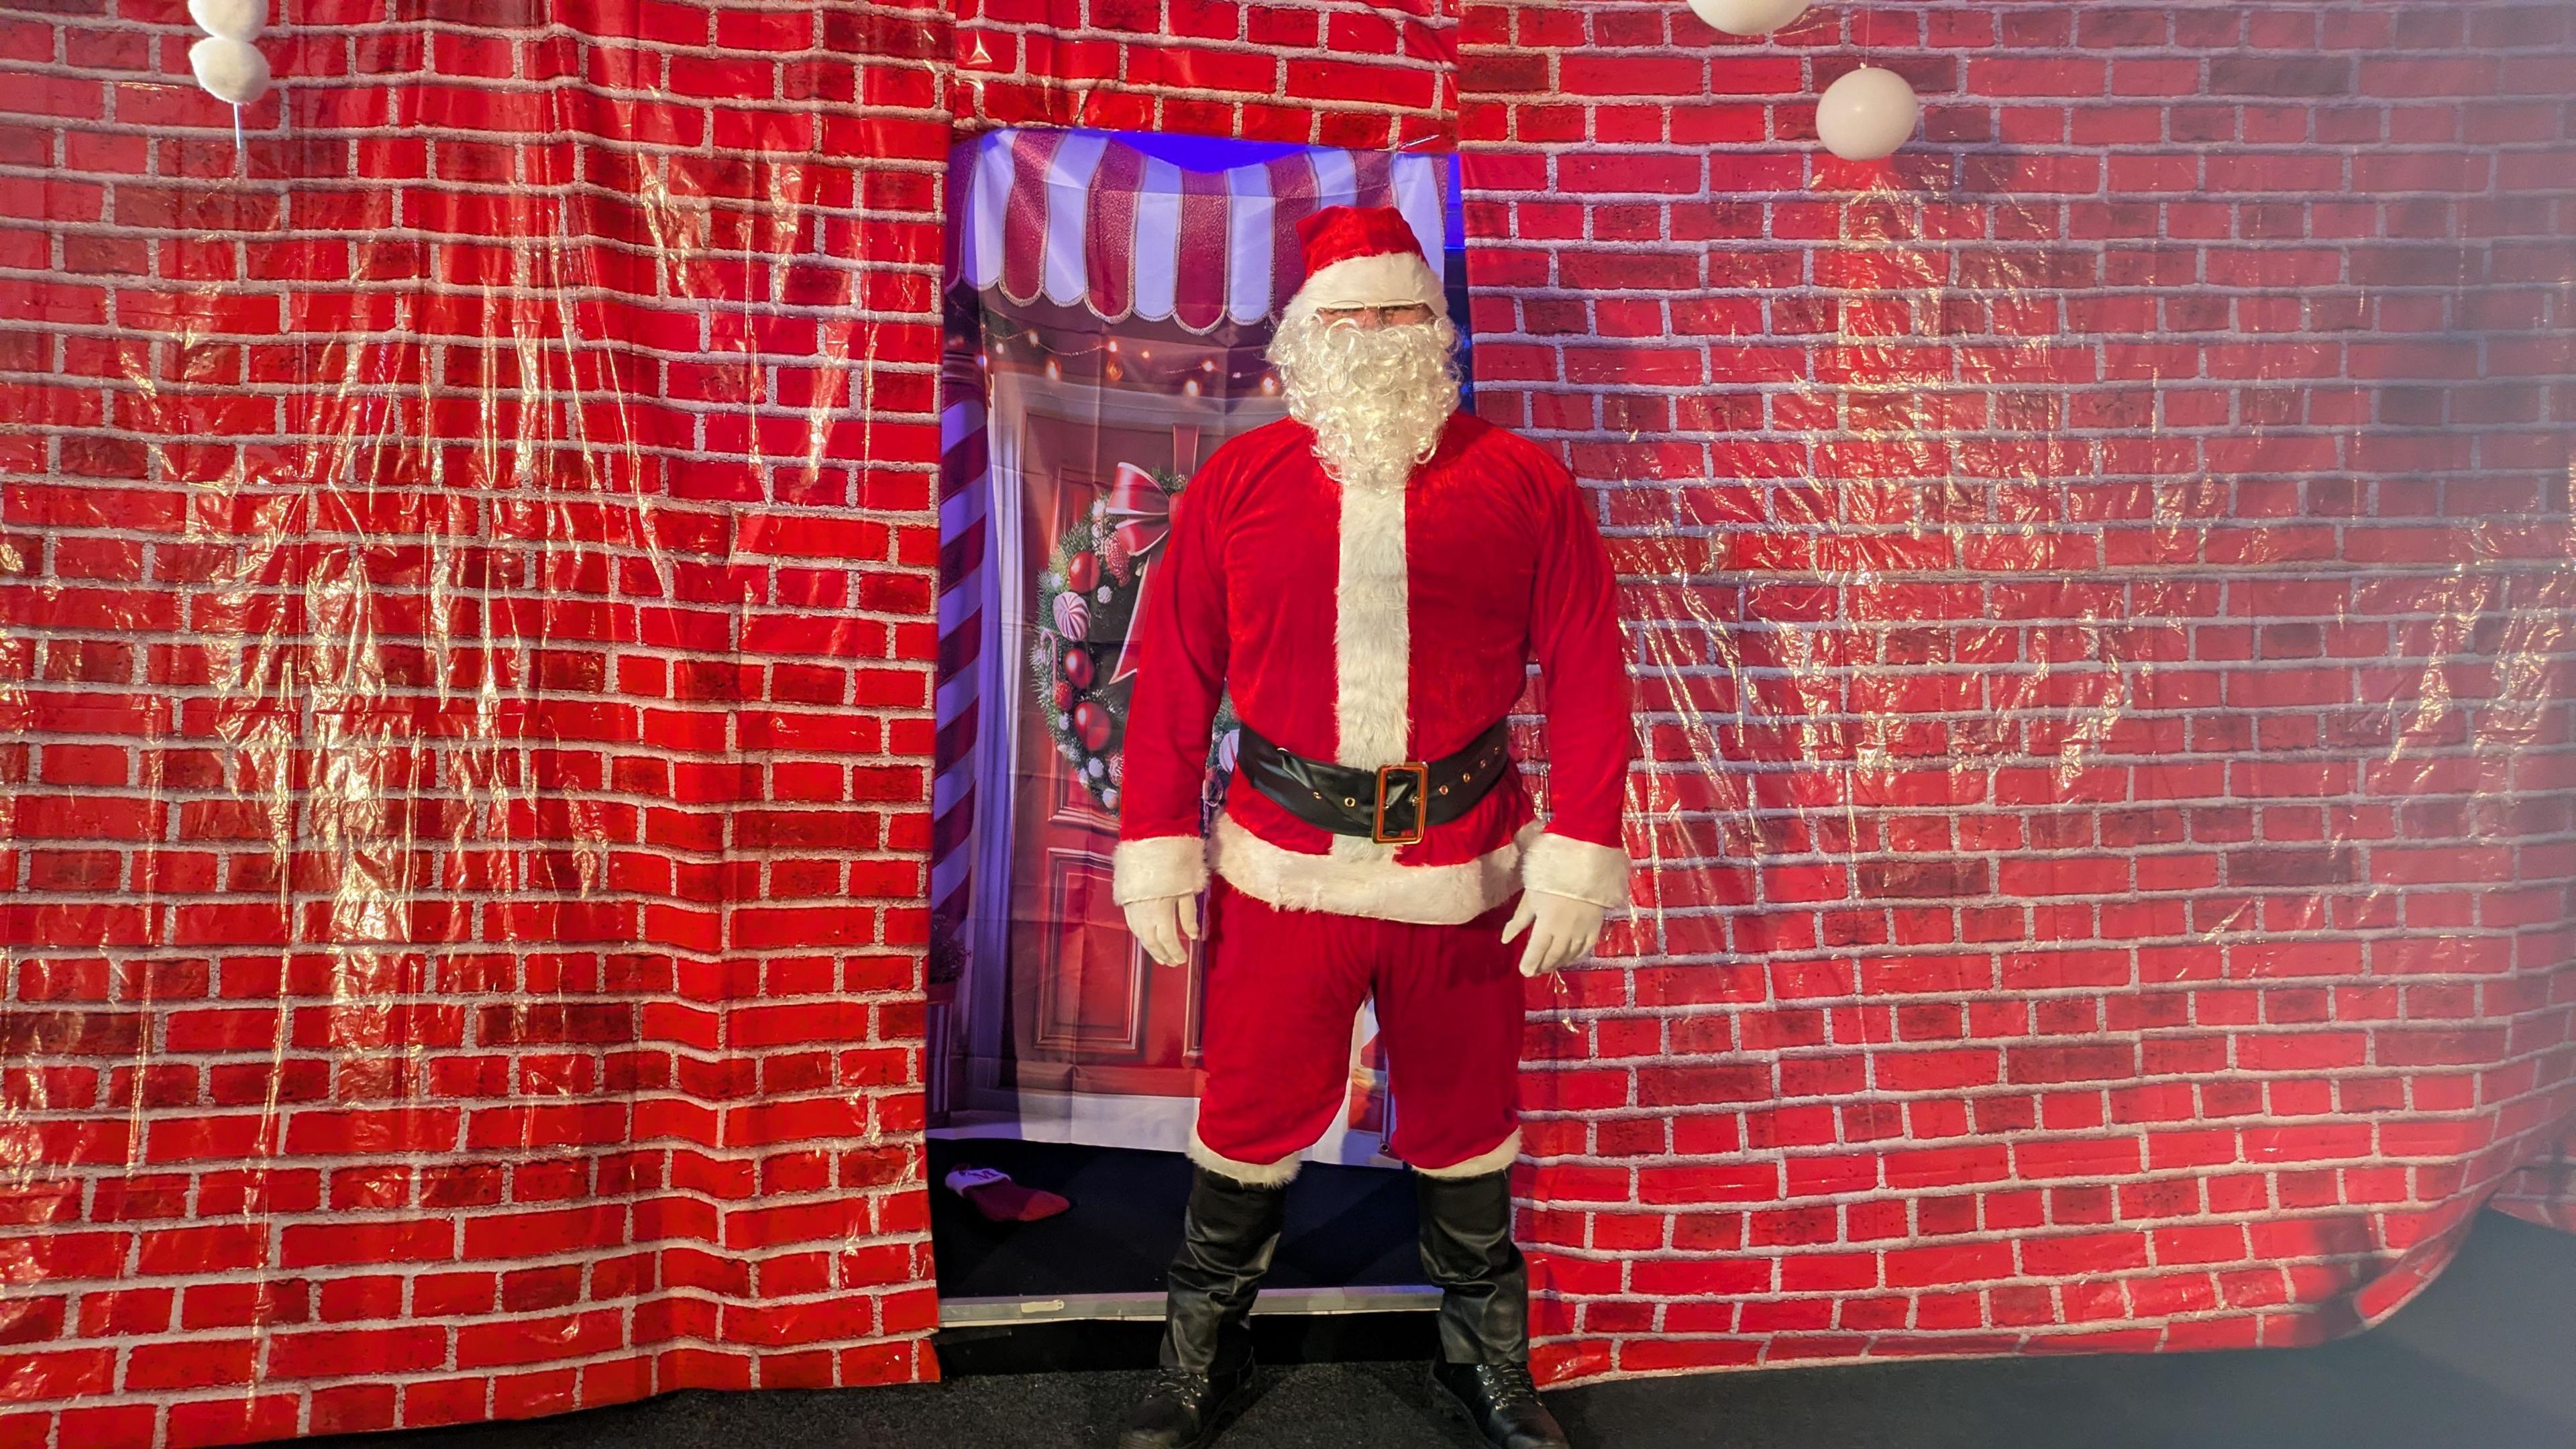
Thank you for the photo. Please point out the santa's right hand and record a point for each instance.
(1165, 926)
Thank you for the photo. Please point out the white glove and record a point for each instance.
(1165, 926)
(1565, 931)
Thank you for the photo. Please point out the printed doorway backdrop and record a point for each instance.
(1109, 297)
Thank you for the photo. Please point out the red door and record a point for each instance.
(1091, 1013)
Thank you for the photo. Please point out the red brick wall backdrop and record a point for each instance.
(2543, 1190)
(468, 618)
(466, 571)
(2099, 585)
(1314, 72)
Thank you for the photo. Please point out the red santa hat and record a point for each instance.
(1363, 256)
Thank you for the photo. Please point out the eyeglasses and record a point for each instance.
(1401, 314)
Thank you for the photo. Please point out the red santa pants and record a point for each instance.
(1282, 989)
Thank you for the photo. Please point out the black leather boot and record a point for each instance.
(1226, 1242)
(1467, 1249)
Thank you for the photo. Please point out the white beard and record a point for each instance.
(1376, 399)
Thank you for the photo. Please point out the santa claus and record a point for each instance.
(1370, 577)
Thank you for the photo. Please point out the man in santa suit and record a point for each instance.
(1369, 577)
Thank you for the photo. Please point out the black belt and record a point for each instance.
(1384, 804)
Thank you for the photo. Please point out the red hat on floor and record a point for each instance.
(1363, 256)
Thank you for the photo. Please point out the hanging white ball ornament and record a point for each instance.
(229, 69)
(1748, 17)
(1867, 114)
(240, 20)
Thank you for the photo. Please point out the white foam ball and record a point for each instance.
(229, 69)
(1748, 17)
(240, 20)
(1867, 114)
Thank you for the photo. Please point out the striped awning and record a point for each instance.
(1083, 219)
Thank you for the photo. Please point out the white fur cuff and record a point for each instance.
(1493, 1159)
(1165, 865)
(1577, 868)
(1255, 1174)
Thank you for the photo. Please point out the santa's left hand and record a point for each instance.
(1562, 930)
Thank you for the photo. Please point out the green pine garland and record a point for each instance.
(1110, 607)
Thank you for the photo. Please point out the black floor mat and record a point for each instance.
(1347, 1226)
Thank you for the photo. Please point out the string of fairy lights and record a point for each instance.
(1189, 369)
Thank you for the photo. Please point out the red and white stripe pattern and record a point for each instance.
(1081, 218)
(1085, 220)
(962, 490)
(962, 493)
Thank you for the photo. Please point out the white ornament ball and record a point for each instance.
(1867, 114)
(230, 70)
(240, 20)
(1748, 17)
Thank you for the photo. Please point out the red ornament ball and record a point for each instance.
(1083, 573)
(1091, 724)
(1063, 695)
(1076, 667)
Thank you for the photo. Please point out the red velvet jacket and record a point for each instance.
(1373, 627)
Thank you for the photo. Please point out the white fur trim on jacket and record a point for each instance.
(1258, 1174)
(1493, 1159)
(1371, 632)
(1427, 895)
(1165, 865)
(1390, 280)
(1577, 868)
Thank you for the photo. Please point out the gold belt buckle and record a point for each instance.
(1421, 804)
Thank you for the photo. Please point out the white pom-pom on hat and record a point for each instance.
(230, 70)
(240, 20)
(1748, 17)
(1867, 114)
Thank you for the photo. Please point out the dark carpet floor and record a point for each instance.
(2484, 1359)
(1347, 1226)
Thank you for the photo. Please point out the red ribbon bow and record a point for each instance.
(1140, 510)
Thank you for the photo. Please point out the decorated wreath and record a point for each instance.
(1083, 663)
